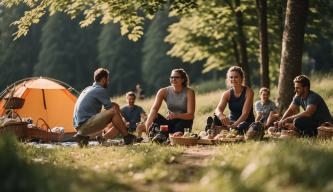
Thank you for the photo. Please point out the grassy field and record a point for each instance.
(294, 165)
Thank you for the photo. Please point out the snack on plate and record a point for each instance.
(232, 134)
(224, 133)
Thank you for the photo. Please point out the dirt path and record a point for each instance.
(190, 163)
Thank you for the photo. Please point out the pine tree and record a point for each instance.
(68, 53)
(122, 57)
(18, 57)
(157, 65)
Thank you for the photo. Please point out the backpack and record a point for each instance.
(256, 131)
(154, 129)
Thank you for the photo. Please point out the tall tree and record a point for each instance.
(242, 41)
(263, 58)
(292, 49)
(218, 33)
(67, 53)
(157, 65)
(17, 58)
(122, 57)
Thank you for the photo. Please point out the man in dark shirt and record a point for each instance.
(315, 109)
(133, 114)
(89, 119)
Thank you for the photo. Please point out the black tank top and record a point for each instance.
(236, 106)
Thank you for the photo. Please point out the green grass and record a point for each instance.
(296, 165)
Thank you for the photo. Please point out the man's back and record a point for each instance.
(90, 103)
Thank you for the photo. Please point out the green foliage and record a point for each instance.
(67, 53)
(122, 57)
(156, 65)
(123, 12)
(271, 167)
(211, 34)
(17, 58)
(16, 173)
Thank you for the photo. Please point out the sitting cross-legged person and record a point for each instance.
(132, 115)
(315, 111)
(180, 101)
(89, 120)
(239, 98)
(266, 109)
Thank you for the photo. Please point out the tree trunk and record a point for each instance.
(236, 53)
(292, 49)
(264, 61)
(243, 44)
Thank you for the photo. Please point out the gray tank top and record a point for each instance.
(176, 102)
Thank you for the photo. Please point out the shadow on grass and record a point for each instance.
(19, 173)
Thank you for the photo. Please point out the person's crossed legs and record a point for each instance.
(97, 123)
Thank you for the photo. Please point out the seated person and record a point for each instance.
(240, 101)
(266, 109)
(180, 101)
(88, 118)
(315, 109)
(132, 115)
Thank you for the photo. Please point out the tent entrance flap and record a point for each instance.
(44, 102)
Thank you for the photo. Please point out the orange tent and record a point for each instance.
(44, 98)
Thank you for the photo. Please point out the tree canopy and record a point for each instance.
(124, 12)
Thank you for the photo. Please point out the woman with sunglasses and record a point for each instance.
(239, 99)
(180, 101)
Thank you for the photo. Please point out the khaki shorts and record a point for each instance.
(95, 124)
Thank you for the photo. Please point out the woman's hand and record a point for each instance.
(171, 115)
(224, 119)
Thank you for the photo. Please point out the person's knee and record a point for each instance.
(141, 128)
(113, 110)
(299, 122)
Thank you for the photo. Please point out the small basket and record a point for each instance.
(14, 103)
(187, 141)
(43, 133)
(325, 131)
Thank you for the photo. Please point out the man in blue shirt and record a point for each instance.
(133, 114)
(266, 109)
(89, 119)
(315, 109)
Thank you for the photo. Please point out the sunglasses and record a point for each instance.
(174, 77)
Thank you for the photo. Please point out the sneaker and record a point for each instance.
(129, 139)
(160, 138)
(81, 140)
(209, 123)
(100, 139)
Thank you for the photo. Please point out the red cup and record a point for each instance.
(164, 128)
